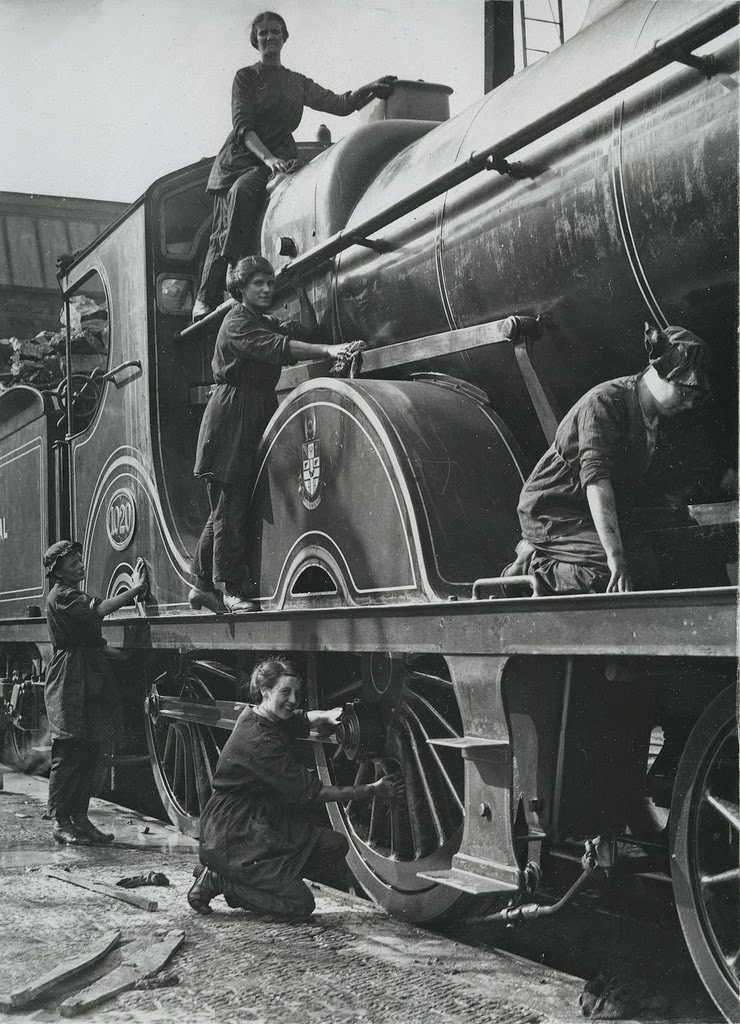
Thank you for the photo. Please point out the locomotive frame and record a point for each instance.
(522, 725)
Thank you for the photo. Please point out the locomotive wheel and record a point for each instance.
(414, 699)
(705, 823)
(26, 751)
(183, 750)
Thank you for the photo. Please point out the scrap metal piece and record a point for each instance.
(142, 902)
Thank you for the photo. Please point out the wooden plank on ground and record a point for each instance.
(137, 962)
(67, 969)
(115, 892)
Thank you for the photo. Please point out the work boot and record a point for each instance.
(200, 310)
(237, 603)
(65, 833)
(202, 891)
(211, 599)
(84, 826)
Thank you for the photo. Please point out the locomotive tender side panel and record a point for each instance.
(26, 490)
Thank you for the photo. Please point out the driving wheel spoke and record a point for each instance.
(422, 775)
(201, 766)
(732, 875)
(168, 756)
(452, 788)
(183, 752)
(704, 849)
(399, 705)
(729, 811)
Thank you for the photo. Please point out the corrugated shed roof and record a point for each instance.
(36, 229)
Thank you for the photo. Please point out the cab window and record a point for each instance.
(90, 345)
(186, 222)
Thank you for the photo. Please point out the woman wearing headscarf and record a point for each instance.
(251, 350)
(571, 509)
(79, 692)
(267, 102)
(258, 839)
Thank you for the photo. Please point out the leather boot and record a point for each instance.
(65, 833)
(200, 310)
(237, 603)
(211, 599)
(84, 826)
(202, 891)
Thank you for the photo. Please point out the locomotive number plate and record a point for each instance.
(121, 518)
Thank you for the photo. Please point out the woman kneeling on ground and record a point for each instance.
(255, 841)
(251, 349)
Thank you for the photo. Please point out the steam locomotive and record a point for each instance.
(498, 264)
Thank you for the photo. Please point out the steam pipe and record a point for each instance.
(531, 911)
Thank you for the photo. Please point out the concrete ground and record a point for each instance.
(350, 963)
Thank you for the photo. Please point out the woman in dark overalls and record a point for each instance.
(572, 507)
(267, 102)
(251, 350)
(79, 691)
(257, 836)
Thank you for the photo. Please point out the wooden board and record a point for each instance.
(67, 969)
(115, 893)
(141, 961)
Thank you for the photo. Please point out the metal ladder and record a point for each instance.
(530, 12)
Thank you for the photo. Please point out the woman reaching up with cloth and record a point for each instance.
(251, 349)
(257, 840)
(79, 690)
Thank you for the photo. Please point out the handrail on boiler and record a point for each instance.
(663, 52)
(677, 46)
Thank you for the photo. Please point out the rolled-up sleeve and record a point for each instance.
(318, 98)
(295, 329)
(250, 339)
(243, 110)
(264, 347)
(601, 439)
(77, 605)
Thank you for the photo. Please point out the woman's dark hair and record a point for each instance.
(266, 674)
(239, 276)
(267, 16)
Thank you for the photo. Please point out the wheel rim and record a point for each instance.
(183, 752)
(28, 751)
(705, 851)
(417, 702)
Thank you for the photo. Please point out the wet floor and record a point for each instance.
(34, 848)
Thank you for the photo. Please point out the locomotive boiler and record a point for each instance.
(498, 264)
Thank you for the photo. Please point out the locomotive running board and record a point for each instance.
(474, 747)
(467, 881)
